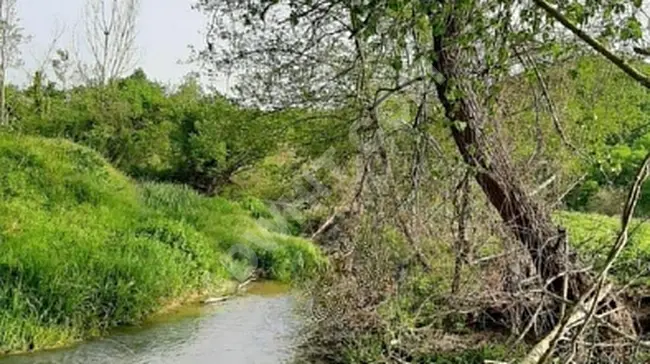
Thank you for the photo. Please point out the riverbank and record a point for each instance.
(257, 326)
(191, 300)
(84, 249)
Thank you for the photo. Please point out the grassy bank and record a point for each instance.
(83, 248)
(593, 236)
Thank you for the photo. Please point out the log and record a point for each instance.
(212, 300)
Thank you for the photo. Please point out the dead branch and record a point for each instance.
(543, 185)
(326, 225)
(540, 351)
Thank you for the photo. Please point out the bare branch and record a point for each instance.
(600, 289)
(110, 27)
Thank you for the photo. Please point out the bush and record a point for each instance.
(232, 229)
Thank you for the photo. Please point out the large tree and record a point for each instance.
(452, 56)
(448, 54)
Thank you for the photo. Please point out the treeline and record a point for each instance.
(179, 134)
(183, 134)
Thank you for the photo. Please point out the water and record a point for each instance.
(254, 329)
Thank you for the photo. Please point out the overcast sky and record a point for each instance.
(166, 29)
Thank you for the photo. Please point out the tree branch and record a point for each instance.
(596, 45)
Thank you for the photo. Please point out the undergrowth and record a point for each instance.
(379, 307)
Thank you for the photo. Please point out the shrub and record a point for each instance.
(230, 227)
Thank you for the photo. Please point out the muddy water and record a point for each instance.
(254, 329)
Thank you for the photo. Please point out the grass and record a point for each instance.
(593, 236)
(83, 248)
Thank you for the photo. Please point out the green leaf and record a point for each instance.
(632, 29)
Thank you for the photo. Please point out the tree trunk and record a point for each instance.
(3, 96)
(493, 171)
(461, 244)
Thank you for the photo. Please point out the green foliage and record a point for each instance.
(83, 249)
(230, 227)
(215, 139)
(126, 121)
(256, 207)
(606, 115)
(148, 131)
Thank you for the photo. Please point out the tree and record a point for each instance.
(62, 66)
(452, 56)
(216, 138)
(11, 37)
(334, 51)
(110, 34)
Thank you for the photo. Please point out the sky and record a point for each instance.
(165, 30)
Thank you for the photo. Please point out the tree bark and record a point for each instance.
(461, 246)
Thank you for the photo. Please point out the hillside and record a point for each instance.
(83, 248)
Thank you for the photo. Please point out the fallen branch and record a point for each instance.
(543, 185)
(329, 222)
(541, 349)
(212, 300)
(245, 283)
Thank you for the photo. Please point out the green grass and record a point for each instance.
(232, 229)
(593, 236)
(83, 248)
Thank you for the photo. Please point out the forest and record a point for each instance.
(443, 181)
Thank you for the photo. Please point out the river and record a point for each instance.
(257, 328)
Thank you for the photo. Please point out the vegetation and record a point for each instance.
(592, 235)
(475, 123)
(184, 135)
(83, 248)
(476, 179)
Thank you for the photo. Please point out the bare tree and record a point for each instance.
(43, 61)
(63, 67)
(110, 30)
(11, 37)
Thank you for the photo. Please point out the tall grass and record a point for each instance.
(231, 229)
(83, 248)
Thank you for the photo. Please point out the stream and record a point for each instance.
(257, 328)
